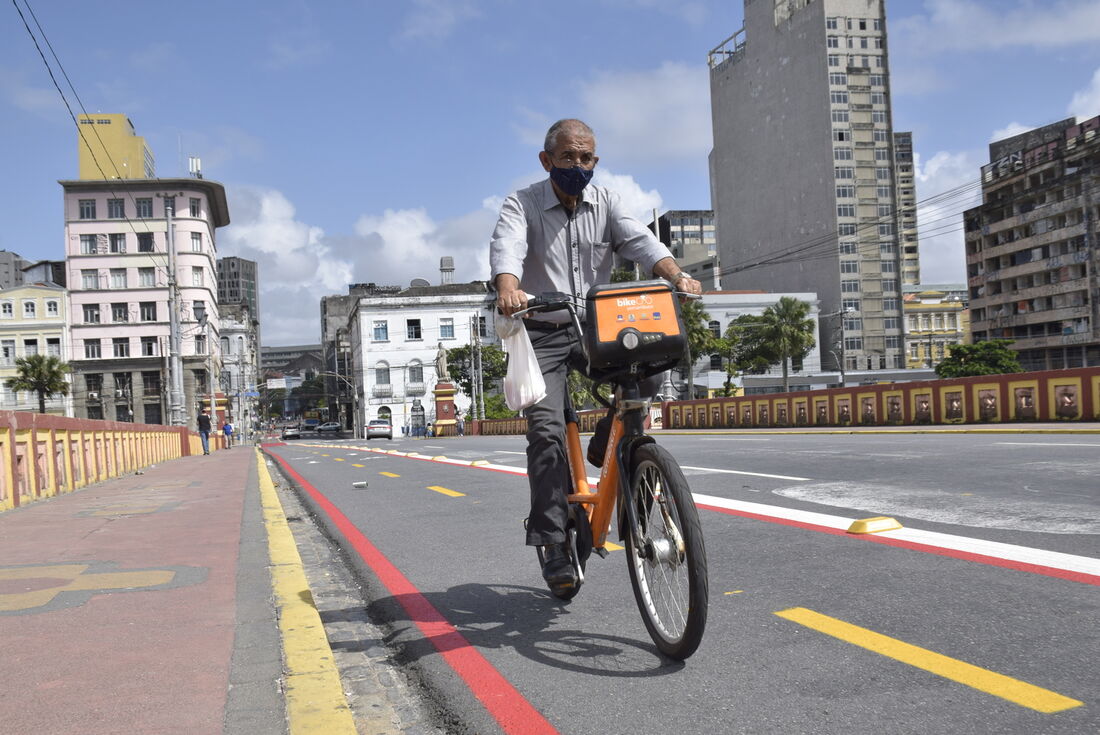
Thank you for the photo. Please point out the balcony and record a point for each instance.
(382, 390)
(415, 389)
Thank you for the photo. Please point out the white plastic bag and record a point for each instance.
(523, 383)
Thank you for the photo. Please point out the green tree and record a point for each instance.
(623, 275)
(700, 340)
(41, 374)
(744, 350)
(493, 366)
(790, 332)
(991, 357)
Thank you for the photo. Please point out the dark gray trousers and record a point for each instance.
(547, 463)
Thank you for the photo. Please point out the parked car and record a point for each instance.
(330, 426)
(292, 431)
(380, 428)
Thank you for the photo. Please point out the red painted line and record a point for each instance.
(1021, 566)
(512, 711)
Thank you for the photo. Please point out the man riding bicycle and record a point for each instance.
(561, 234)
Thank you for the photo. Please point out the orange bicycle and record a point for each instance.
(633, 331)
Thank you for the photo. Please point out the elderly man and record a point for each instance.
(560, 234)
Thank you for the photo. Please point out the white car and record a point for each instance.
(330, 426)
(380, 428)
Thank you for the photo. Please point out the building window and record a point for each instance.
(89, 279)
(878, 116)
(853, 324)
(30, 310)
(883, 192)
(891, 322)
(150, 383)
(88, 245)
(850, 305)
(849, 266)
(53, 346)
(144, 207)
(853, 343)
(845, 191)
(382, 374)
(200, 344)
(889, 266)
(715, 362)
(30, 347)
(147, 277)
(116, 208)
(889, 284)
(878, 80)
(196, 242)
(886, 229)
(842, 154)
(416, 372)
(53, 308)
(844, 172)
(169, 205)
(832, 41)
(120, 313)
(381, 331)
(117, 242)
(848, 229)
(841, 135)
(882, 173)
(849, 286)
(832, 23)
(885, 210)
(834, 60)
(91, 349)
(7, 352)
(889, 304)
(838, 98)
(148, 346)
(121, 346)
(412, 329)
(145, 242)
(838, 78)
(878, 98)
(87, 209)
(840, 116)
(196, 206)
(118, 278)
(196, 275)
(888, 248)
(91, 313)
(148, 311)
(845, 210)
(848, 248)
(482, 328)
(715, 328)
(7, 310)
(447, 328)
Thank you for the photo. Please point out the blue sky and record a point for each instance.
(359, 141)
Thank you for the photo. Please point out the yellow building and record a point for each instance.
(32, 321)
(109, 148)
(936, 316)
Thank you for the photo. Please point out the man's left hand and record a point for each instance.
(689, 285)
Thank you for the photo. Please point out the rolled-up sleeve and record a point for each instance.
(633, 240)
(508, 247)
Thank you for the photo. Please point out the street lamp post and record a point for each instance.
(354, 400)
(838, 359)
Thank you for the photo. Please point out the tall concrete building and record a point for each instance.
(238, 280)
(803, 180)
(1031, 246)
(907, 209)
(689, 235)
(11, 269)
(108, 148)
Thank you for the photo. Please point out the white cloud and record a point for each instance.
(435, 19)
(296, 47)
(638, 202)
(1013, 128)
(947, 185)
(15, 89)
(995, 24)
(1086, 102)
(689, 11)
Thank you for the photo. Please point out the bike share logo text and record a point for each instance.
(643, 300)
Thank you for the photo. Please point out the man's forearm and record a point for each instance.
(666, 268)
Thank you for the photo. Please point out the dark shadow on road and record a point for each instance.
(501, 617)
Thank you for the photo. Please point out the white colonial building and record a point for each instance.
(393, 341)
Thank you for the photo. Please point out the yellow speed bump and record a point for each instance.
(479, 462)
(874, 525)
(438, 457)
(984, 680)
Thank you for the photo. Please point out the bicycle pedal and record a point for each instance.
(602, 552)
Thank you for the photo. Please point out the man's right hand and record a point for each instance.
(510, 298)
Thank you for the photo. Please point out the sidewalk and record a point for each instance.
(142, 604)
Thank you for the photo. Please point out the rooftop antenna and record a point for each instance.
(194, 166)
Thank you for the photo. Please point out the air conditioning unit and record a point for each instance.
(93, 396)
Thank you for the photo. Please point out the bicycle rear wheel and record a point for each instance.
(668, 570)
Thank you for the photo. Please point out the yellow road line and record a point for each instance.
(445, 491)
(389, 474)
(337, 459)
(315, 701)
(612, 547)
(353, 464)
(990, 682)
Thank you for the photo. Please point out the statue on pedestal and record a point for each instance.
(441, 373)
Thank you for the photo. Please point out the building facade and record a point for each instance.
(109, 148)
(803, 170)
(11, 269)
(123, 280)
(32, 322)
(906, 192)
(238, 283)
(240, 366)
(394, 340)
(1031, 246)
(689, 234)
(936, 317)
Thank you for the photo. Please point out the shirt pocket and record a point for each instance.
(600, 257)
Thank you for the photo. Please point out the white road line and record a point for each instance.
(735, 439)
(1045, 444)
(505, 451)
(433, 446)
(739, 472)
(1010, 552)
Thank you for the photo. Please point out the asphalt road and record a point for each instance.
(811, 630)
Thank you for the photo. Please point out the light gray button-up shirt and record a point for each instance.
(547, 248)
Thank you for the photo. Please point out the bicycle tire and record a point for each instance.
(671, 588)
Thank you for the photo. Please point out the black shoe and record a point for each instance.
(597, 446)
(557, 570)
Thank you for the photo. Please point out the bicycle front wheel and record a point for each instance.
(668, 563)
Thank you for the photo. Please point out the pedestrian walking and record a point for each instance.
(460, 424)
(204, 431)
(227, 429)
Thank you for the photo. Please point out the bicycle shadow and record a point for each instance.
(504, 616)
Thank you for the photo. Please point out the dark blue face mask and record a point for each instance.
(571, 180)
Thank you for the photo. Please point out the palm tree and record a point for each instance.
(700, 340)
(41, 374)
(789, 331)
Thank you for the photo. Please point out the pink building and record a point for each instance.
(117, 262)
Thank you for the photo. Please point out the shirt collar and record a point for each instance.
(550, 199)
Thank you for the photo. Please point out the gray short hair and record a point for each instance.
(570, 125)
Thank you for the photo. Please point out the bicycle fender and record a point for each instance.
(625, 452)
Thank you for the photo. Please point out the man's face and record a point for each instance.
(571, 150)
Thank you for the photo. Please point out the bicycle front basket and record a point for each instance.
(636, 322)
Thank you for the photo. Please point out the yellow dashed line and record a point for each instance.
(315, 700)
(357, 465)
(445, 491)
(990, 682)
(338, 459)
(389, 474)
(612, 547)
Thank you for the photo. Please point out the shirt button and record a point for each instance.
(575, 269)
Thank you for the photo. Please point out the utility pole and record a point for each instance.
(480, 367)
(175, 363)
